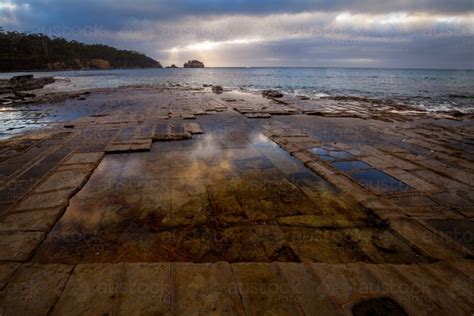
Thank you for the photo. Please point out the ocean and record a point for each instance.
(433, 90)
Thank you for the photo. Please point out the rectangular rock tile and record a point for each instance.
(399, 163)
(118, 148)
(446, 284)
(464, 266)
(83, 158)
(36, 220)
(34, 289)
(141, 145)
(145, 289)
(36, 172)
(427, 241)
(193, 128)
(91, 290)
(172, 136)
(63, 179)
(45, 200)
(456, 284)
(445, 182)
(407, 292)
(453, 199)
(414, 200)
(6, 271)
(460, 230)
(434, 289)
(309, 290)
(205, 289)
(85, 168)
(412, 180)
(19, 246)
(346, 283)
(263, 290)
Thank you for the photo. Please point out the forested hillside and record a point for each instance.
(24, 51)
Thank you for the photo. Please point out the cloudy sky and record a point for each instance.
(320, 33)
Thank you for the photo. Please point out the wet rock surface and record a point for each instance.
(23, 83)
(262, 211)
(217, 89)
(272, 94)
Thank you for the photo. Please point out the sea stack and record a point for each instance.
(193, 64)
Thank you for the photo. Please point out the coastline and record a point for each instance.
(447, 90)
(327, 106)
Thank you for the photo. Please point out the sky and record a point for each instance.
(243, 33)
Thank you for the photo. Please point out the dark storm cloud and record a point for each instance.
(113, 14)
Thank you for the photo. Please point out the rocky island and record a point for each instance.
(193, 64)
(23, 51)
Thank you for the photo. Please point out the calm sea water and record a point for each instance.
(436, 90)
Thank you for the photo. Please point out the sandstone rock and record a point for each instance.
(34, 289)
(315, 221)
(23, 83)
(206, 289)
(36, 220)
(6, 271)
(99, 64)
(20, 79)
(193, 128)
(18, 246)
(264, 291)
(62, 180)
(57, 65)
(45, 200)
(272, 94)
(303, 97)
(84, 158)
(91, 290)
(193, 64)
(217, 89)
(145, 289)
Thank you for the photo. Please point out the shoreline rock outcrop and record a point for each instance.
(217, 89)
(193, 64)
(23, 83)
(77, 63)
(272, 94)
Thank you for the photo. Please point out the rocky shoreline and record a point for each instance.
(185, 184)
(230, 192)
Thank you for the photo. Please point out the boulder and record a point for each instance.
(272, 94)
(193, 64)
(217, 89)
(172, 66)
